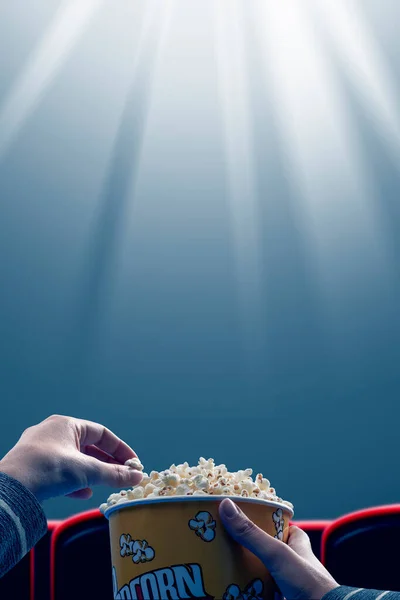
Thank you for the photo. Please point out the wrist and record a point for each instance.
(326, 589)
(19, 474)
(7, 468)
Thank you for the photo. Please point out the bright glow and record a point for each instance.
(333, 204)
(69, 23)
(240, 162)
(108, 230)
(155, 22)
(363, 60)
(334, 191)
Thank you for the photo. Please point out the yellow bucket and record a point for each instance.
(175, 548)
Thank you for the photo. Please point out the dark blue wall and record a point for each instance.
(123, 282)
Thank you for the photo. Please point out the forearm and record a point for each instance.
(22, 522)
(350, 593)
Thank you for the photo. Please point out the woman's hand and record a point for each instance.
(63, 456)
(296, 570)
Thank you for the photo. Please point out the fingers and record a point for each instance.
(268, 549)
(299, 541)
(295, 569)
(114, 475)
(99, 454)
(94, 434)
(84, 494)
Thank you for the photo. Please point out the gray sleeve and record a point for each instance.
(22, 522)
(344, 592)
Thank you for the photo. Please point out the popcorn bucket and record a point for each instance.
(173, 548)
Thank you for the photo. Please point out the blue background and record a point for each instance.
(121, 299)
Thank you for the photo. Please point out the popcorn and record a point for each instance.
(182, 489)
(181, 469)
(262, 483)
(134, 463)
(172, 479)
(113, 498)
(201, 482)
(248, 485)
(145, 480)
(205, 479)
(217, 489)
(136, 493)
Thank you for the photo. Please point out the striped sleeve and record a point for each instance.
(22, 522)
(350, 593)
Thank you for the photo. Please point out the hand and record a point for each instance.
(65, 456)
(296, 570)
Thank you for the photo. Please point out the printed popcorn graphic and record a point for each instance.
(203, 525)
(142, 552)
(233, 592)
(279, 523)
(126, 543)
(253, 591)
(138, 549)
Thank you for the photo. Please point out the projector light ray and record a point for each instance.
(240, 165)
(70, 22)
(105, 239)
(334, 204)
(365, 65)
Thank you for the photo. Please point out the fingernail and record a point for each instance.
(229, 508)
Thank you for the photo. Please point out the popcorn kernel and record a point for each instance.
(206, 478)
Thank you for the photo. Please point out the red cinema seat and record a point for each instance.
(314, 530)
(40, 565)
(80, 558)
(17, 582)
(361, 549)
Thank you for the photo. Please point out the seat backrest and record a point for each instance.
(80, 555)
(40, 565)
(314, 530)
(361, 549)
(81, 558)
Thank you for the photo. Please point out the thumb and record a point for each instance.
(114, 475)
(299, 541)
(295, 574)
(272, 552)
